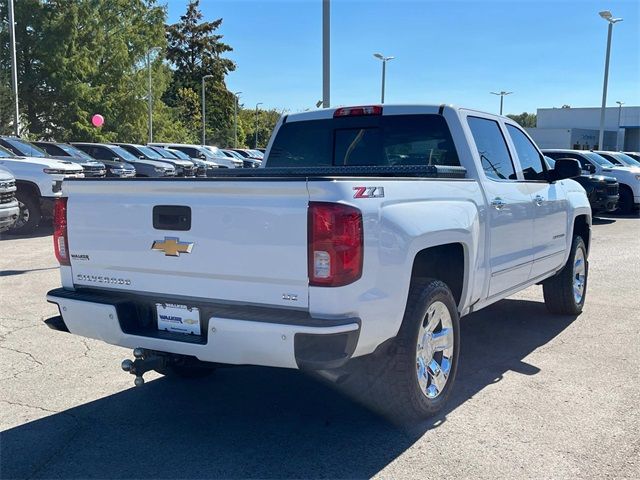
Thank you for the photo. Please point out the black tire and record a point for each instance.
(30, 214)
(387, 381)
(558, 290)
(625, 202)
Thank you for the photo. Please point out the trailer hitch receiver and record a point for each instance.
(145, 360)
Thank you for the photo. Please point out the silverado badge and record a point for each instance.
(172, 246)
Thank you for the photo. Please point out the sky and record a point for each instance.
(549, 53)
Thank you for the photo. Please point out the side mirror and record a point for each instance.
(566, 168)
(116, 159)
(590, 168)
(141, 157)
(202, 156)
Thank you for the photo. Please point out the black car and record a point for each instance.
(602, 191)
(91, 167)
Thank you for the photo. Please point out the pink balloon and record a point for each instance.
(97, 120)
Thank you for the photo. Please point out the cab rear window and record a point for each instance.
(385, 140)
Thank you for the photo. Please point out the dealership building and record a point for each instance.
(578, 128)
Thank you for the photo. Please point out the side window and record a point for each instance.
(530, 159)
(101, 153)
(584, 163)
(492, 148)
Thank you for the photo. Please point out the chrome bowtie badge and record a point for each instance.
(172, 246)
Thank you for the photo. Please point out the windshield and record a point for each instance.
(150, 153)
(75, 152)
(626, 159)
(180, 154)
(164, 153)
(25, 148)
(594, 157)
(4, 153)
(213, 150)
(129, 157)
(207, 153)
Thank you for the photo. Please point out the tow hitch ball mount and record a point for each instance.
(145, 360)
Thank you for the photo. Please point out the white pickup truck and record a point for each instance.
(368, 234)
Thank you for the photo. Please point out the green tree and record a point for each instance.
(267, 120)
(527, 120)
(81, 57)
(194, 51)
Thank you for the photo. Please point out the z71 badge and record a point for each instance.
(368, 192)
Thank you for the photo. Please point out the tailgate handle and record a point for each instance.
(172, 217)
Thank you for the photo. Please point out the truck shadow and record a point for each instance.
(252, 422)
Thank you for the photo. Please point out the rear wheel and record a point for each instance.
(565, 292)
(29, 216)
(412, 378)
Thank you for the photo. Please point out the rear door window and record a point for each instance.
(529, 157)
(492, 148)
(386, 140)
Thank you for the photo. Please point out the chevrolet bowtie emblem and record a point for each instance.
(172, 246)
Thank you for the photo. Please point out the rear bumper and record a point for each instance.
(238, 335)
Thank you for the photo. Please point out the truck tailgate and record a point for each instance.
(247, 241)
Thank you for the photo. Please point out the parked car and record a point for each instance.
(634, 155)
(184, 168)
(9, 208)
(620, 159)
(63, 151)
(602, 191)
(38, 182)
(355, 261)
(247, 161)
(200, 166)
(144, 168)
(628, 178)
(203, 153)
(115, 169)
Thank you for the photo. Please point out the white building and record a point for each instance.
(579, 128)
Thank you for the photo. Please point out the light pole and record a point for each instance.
(384, 70)
(256, 141)
(204, 111)
(326, 53)
(14, 70)
(606, 14)
(619, 115)
(149, 93)
(235, 119)
(502, 94)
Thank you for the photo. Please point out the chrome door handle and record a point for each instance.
(498, 203)
(539, 200)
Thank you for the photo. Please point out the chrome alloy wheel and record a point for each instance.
(434, 352)
(23, 216)
(579, 276)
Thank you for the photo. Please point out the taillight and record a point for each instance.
(335, 244)
(358, 111)
(60, 240)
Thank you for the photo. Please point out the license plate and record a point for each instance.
(178, 318)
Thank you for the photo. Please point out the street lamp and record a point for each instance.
(384, 59)
(256, 141)
(149, 93)
(204, 111)
(235, 118)
(619, 115)
(14, 70)
(606, 14)
(502, 94)
(326, 53)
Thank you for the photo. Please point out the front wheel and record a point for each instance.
(565, 292)
(29, 216)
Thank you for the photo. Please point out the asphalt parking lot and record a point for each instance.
(537, 396)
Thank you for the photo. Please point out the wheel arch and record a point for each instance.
(27, 186)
